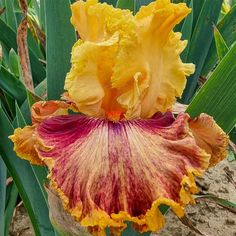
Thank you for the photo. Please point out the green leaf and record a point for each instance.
(14, 62)
(9, 104)
(3, 177)
(27, 183)
(11, 85)
(218, 97)
(200, 43)
(8, 37)
(10, 15)
(197, 8)
(60, 37)
(220, 201)
(221, 45)
(126, 4)
(187, 32)
(42, 14)
(111, 2)
(10, 208)
(227, 29)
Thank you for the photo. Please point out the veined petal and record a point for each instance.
(210, 137)
(137, 74)
(107, 173)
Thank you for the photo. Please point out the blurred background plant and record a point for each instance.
(36, 38)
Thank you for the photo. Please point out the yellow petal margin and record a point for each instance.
(127, 65)
(25, 142)
(210, 137)
(107, 173)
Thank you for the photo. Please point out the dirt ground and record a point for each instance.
(209, 218)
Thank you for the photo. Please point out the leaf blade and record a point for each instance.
(221, 45)
(217, 97)
(200, 43)
(24, 178)
(58, 29)
(227, 29)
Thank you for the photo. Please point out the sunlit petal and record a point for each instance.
(156, 57)
(88, 82)
(107, 173)
(127, 65)
(210, 137)
(97, 22)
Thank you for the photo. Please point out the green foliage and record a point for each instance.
(126, 4)
(213, 53)
(60, 39)
(217, 97)
(3, 180)
(221, 45)
(12, 85)
(186, 31)
(226, 27)
(25, 178)
(200, 43)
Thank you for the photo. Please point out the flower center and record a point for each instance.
(115, 115)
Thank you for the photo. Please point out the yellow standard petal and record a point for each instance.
(124, 65)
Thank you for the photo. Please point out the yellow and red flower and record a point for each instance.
(127, 154)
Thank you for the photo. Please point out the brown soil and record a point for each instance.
(209, 218)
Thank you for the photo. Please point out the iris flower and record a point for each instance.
(123, 154)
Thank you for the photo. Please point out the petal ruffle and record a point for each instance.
(96, 22)
(107, 173)
(210, 137)
(24, 144)
(25, 139)
(46, 109)
(88, 80)
(131, 64)
(156, 58)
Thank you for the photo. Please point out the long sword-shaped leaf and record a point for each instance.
(11, 85)
(111, 2)
(3, 176)
(9, 212)
(10, 15)
(200, 43)
(221, 45)
(126, 4)
(218, 97)
(26, 182)
(227, 29)
(42, 14)
(187, 32)
(60, 36)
